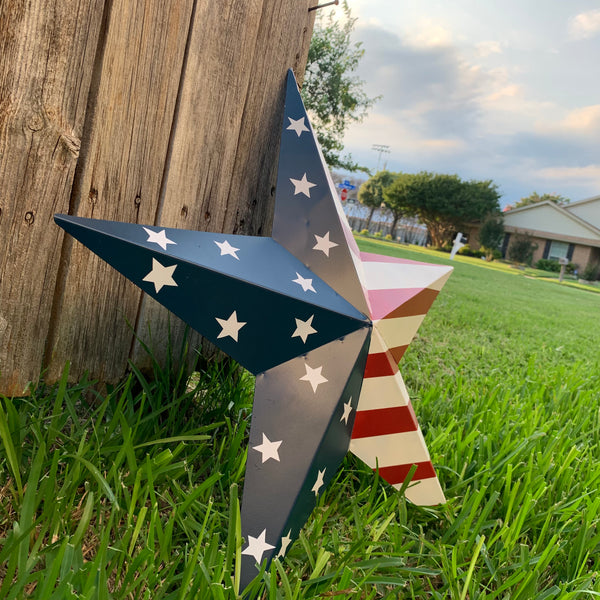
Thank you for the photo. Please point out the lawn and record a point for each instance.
(134, 493)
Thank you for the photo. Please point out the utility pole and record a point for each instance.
(380, 149)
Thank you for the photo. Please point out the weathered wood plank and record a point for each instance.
(225, 146)
(47, 52)
(119, 178)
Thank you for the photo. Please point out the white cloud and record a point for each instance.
(428, 34)
(583, 119)
(585, 24)
(486, 48)
(587, 174)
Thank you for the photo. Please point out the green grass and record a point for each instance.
(134, 493)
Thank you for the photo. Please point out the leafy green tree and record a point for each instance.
(444, 203)
(370, 192)
(333, 96)
(534, 198)
(491, 234)
(395, 196)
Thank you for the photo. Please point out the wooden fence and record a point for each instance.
(145, 111)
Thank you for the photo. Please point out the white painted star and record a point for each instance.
(318, 483)
(160, 275)
(231, 326)
(304, 328)
(257, 546)
(268, 449)
(158, 237)
(347, 411)
(302, 186)
(227, 248)
(314, 377)
(286, 540)
(298, 125)
(305, 283)
(324, 244)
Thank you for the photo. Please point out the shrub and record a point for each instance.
(467, 251)
(364, 232)
(521, 249)
(378, 234)
(389, 237)
(547, 264)
(590, 273)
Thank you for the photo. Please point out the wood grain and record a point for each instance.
(47, 51)
(119, 178)
(137, 111)
(222, 172)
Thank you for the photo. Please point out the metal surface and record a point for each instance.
(297, 310)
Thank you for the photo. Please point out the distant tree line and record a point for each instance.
(445, 204)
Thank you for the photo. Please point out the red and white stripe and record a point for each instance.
(386, 433)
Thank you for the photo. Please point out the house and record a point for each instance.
(569, 231)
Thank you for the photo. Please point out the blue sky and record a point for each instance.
(508, 91)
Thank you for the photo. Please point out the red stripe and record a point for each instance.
(398, 473)
(380, 365)
(383, 421)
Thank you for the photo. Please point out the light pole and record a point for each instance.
(380, 149)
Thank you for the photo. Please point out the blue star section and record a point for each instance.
(307, 221)
(240, 292)
(299, 408)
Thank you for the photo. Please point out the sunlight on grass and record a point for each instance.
(135, 493)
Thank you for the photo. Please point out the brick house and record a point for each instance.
(569, 231)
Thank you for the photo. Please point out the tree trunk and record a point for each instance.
(370, 216)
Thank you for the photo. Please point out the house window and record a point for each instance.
(558, 250)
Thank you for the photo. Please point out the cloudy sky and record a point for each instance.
(504, 90)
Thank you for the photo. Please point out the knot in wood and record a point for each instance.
(29, 217)
(35, 122)
(137, 201)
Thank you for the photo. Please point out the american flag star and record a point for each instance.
(337, 387)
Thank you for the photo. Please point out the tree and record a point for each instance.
(370, 192)
(444, 203)
(333, 97)
(395, 197)
(534, 198)
(491, 234)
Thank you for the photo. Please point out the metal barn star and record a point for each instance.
(312, 318)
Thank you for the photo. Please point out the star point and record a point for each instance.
(161, 276)
(306, 284)
(231, 326)
(319, 482)
(297, 125)
(268, 449)
(347, 411)
(286, 540)
(314, 377)
(158, 237)
(324, 244)
(304, 328)
(227, 249)
(302, 186)
(257, 546)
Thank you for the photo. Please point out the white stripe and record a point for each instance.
(439, 284)
(424, 492)
(392, 449)
(377, 344)
(400, 331)
(383, 392)
(395, 276)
